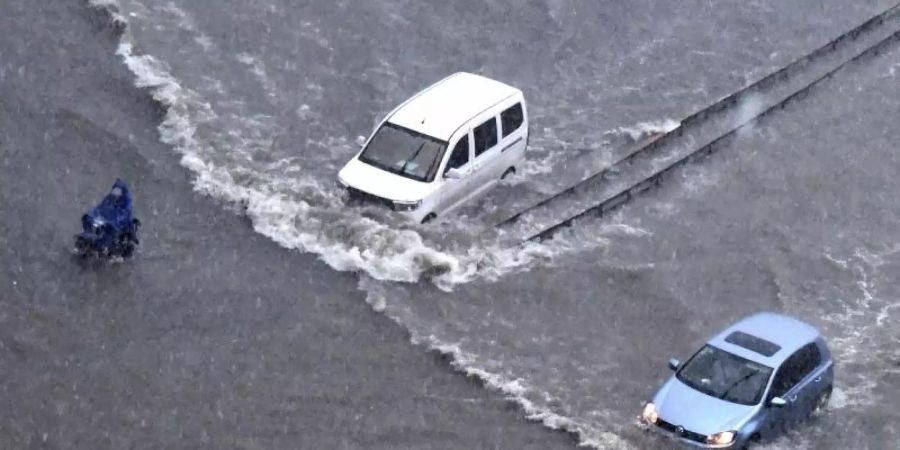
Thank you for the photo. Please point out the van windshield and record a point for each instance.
(723, 375)
(404, 152)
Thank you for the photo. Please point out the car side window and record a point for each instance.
(511, 119)
(788, 375)
(809, 358)
(485, 136)
(795, 369)
(460, 155)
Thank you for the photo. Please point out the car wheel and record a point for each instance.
(822, 402)
(508, 173)
(429, 217)
(753, 442)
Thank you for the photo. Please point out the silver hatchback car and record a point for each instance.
(748, 384)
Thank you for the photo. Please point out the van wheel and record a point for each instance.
(508, 173)
(429, 217)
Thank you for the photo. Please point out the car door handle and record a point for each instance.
(817, 379)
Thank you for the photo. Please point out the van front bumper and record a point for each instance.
(411, 210)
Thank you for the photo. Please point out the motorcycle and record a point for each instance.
(109, 229)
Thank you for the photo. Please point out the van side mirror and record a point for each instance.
(674, 364)
(777, 402)
(454, 174)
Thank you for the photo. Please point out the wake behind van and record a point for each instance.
(443, 147)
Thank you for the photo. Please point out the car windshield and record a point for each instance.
(404, 152)
(723, 375)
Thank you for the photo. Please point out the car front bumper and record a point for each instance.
(686, 438)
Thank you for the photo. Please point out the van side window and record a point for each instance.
(511, 119)
(460, 155)
(486, 136)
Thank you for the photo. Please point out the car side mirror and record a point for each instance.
(674, 364)
(360, 140)
(454, 174)
(777, 402)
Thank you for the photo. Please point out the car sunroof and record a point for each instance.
(753, 343)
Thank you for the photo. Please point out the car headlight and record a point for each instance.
(406, 206)
(650, 415)
(723, 438)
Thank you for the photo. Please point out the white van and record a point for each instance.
(441, 148)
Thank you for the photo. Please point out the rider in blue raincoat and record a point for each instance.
(109, 228)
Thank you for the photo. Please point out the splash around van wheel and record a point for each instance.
(445, 146)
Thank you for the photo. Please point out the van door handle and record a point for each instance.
(511, 144)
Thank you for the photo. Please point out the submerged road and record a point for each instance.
(217, 338)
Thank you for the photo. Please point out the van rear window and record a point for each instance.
(512, 119)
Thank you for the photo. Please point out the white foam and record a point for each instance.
(749, 108)
(106, 4)
(646, 129)
(543, 165)
(851, 397)
(861, 319)
(627, 230)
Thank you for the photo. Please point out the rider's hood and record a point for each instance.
(115, 209)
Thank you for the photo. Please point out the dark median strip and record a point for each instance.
(725, 104)
(628, 193)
